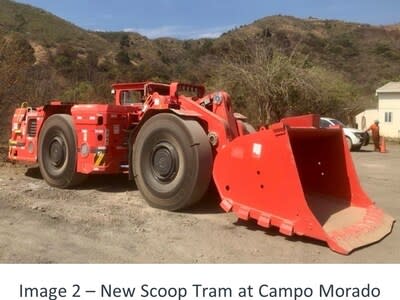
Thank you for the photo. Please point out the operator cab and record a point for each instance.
(130, 97)
(135, 94)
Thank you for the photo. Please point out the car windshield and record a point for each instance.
(336, 122)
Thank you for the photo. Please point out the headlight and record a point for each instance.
(84, 150)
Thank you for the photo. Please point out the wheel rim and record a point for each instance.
(164, 162)
(57, 152)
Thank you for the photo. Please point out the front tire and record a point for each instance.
(172, 162)
(57, 152)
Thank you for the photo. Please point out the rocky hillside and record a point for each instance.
(44, 57)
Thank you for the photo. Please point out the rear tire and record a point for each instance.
(57, 152)
(172, 162)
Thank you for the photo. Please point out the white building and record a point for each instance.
(388, 112)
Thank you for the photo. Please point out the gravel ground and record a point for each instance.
(107, 221)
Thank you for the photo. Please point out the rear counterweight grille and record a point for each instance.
(32, 124)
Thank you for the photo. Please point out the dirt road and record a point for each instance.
(106, 220)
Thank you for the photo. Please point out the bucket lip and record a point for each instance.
(374, 227)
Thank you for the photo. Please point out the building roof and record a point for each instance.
(391, 87)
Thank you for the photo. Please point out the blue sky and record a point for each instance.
(208, 18)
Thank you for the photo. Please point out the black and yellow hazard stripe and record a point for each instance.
(99, 159)
(15, 143)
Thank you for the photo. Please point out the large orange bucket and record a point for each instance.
(300, 178)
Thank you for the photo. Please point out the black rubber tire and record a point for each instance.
(349, 143)
(172, 162)
(366, 139)
(57, 153)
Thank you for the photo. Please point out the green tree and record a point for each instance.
(16, 58)
(20, 22)
(272, 85)
(122, 58)
(16, 62)
(81, 92)
(124, 42)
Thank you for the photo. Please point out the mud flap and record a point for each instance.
(300, 178)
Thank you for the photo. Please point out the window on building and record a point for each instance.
(388, 117)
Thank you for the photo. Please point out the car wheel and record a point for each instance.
(366, 139)
(349, 143)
